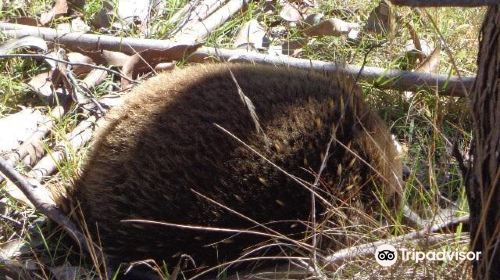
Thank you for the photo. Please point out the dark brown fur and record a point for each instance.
(162, 144)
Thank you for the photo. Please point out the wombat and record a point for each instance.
(216, 150)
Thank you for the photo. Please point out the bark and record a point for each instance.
(483, 176)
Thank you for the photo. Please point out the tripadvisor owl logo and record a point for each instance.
(386, 255)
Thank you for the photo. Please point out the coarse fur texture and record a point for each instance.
(162, 145)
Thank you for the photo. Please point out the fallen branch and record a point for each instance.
(94, 78)
(76, 139)
(40, 198)
(31, 144)
(201, 29)
(48, 164)
(88, 42)
(445, 3)
(383, 78)
(368, 249)
(42, 56)
(192, 12)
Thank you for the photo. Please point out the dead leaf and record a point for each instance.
(24, 42)
(46, 85)
(108, 58)
(313, 19)
(251, 34)
(112, 58)
(382, 19)
(107, 101)
(35, 152)
(60, 8)
(59, 75)
(279, 32)
(25, 21)
(59, 54)
(290, 13)
(146, 60)
(42, 85)
(331, 27)
(78, 25)
(94, 78)
(416, 54)
(431, 63)
(75, 57)
(20, 126)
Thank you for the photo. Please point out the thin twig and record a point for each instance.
(42, 56)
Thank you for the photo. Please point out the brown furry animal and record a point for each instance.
(162, 147)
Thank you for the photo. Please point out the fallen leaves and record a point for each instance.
(60, 8)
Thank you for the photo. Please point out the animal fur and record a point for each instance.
(162, 146)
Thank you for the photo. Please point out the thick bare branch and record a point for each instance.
(383, 78)
(89, 42)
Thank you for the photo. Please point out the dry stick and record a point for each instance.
(383, 78)
(56, 113)
(77, 138)
(364, 250)
(391, 79)
(91, 42)
(201, 29)
(38, 195)
(24, 55)
(193, 12)
(445, 3)
(35, 138)
(40, 198)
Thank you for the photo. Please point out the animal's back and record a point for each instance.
(162, 146)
